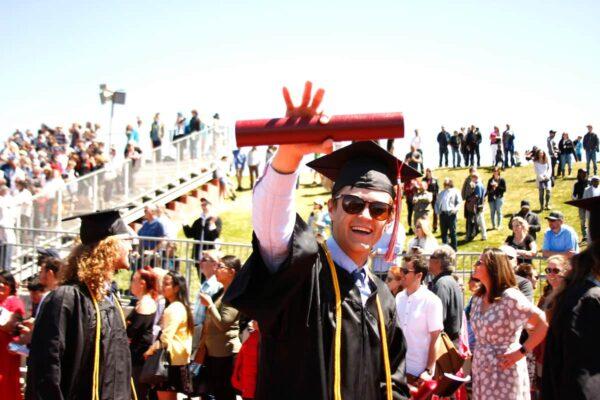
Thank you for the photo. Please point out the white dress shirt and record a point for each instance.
(418, 314)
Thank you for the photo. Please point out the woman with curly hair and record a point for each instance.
(79, 348)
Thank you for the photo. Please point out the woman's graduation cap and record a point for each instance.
(591, 204)
(367, 165)
(99, 225)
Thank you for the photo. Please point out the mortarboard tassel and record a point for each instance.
(390, 254)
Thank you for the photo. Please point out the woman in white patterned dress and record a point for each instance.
(498, 315)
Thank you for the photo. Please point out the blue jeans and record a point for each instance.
(496, 211)
(565, 159)
(590, 155)
(455, 157)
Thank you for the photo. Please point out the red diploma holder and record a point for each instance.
(355, 127)
(424, 390)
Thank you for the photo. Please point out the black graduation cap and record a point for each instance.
(99, 225)
(367, 165)
(364, 165)
(591, 204)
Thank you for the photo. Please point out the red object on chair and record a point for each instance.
(355, 127)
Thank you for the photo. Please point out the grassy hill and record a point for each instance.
(520, 182)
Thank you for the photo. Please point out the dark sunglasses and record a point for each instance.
(355, 205)
(553, 270)
(406, 271)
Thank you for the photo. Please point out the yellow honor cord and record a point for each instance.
(96, 373)
(337, 344)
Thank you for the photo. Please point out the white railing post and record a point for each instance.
(95, 192)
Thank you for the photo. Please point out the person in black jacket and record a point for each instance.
(591, 147)
(566, 150)
(441, 264)
(443, 139)
(455, 143)
(578, 189)
(207, 228)
(433, 188)
(495, 193)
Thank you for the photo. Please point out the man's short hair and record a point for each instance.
(420, 264)
(53, 264)
(447, 257)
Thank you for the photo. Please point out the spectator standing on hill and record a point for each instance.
(410, 189)
(433, 188)
(253, 163)
(552, 151)
(559, 238)
(508, 143)
(522, 241)
(474, 203)
(414, 160)
(455, 143)
(578, 189)
(532, 218)
(416, 143)
(578, 142)
(441, 266)
(478, 141)
(543, 177)
(447, 206)
(591, 191)
(591, 147)
(424, 239)
(566, 149)
(495, 140)
(239, 163)
(496, 188)
(421, 202)
(157, 132)
(443, 139)
(464, 150)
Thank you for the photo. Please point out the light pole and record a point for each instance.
(115, 97)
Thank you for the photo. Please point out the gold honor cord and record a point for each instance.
(96, 375)
(337, 344)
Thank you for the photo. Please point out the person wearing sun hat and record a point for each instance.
(328, 326)
(79, 348)
(572, 351)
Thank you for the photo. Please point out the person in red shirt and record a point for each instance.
(9, 362)
(245, 370)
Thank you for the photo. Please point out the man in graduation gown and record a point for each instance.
(572, 354)
(61, 363)
(287, 284)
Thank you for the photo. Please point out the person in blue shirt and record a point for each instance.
(559, 238)
(152, 227)
(239, 162)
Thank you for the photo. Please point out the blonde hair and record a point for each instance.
(93, 265)
(425, 227)
(521, 221)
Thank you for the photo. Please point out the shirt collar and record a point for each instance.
(339, 257)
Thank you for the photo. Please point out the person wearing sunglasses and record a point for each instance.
(393, 280)
(420, 313)
(311, 348)
(556, 270)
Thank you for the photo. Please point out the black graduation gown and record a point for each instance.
(61, 360)
(295, 309)
(572, 355)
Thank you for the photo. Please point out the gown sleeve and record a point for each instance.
(48, 345)
(261, 294)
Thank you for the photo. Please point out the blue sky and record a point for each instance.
(531, 63)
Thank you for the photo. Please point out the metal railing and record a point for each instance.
(123, 180)
(183, 255)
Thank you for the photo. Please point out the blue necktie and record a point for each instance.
(359, 275)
